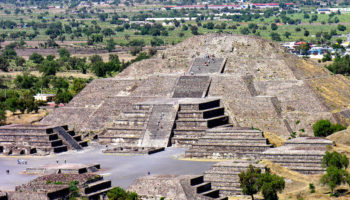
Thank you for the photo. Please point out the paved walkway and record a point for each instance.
(121, 169)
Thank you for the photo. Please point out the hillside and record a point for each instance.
(262, 86)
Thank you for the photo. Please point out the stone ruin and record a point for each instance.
(303, 154)
(176, 187)
(70, 168)
(18, 139)
(56, 186)
(213, 108)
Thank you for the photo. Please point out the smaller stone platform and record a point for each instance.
(224, 175)
(56, 186)
(303, 154)
(175, 187)
(17, 139)
(70, 168)
(134, 150)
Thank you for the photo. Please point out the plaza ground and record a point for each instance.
(121, 169)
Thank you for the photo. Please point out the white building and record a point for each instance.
(44, 97)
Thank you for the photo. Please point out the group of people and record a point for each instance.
(21, 162)
(209, 58)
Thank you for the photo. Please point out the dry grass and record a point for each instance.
(30, 118)
(59, 74)
(274, 139)
(297, 185)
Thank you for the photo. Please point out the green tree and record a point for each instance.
(95, 58)
(25, 81)
(287, 34)
(78, 85)
(63, 96)
(323, 128)
(270, 184)
(4, 64)
(118, 193)
(49, 67)
(64, 54)
(2, 116)
(36, 58)
(341, 27)
(275, 36)
(335, 177)
(274, 27)
(110, 45)
(157, 42)
(335, 159)
(249, 181)
(194, 30)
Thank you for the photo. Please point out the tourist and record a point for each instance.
(7, 172)
(57, 161)
(149, 173)
(65, 162)
(18, 161)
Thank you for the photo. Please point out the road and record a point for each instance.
(121, 169)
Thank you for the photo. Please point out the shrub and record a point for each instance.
(335, 159)
(312, 188)
(323, 128)
(249, 181)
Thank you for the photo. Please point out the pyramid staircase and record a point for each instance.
(195, 117)
(70, 139)
(205, 190)
(129, 129)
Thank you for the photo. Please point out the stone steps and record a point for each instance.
(236, 140)
(229, 143)
(224, 175)
(205, 123)
(204, 189)
(221, 154)
(201, 114)
(194, 118)
(191, 87)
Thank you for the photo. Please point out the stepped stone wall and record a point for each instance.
(191, 87)
(174, 187)
(302, 154)
(39, 140)
(229, 143)
(224, 175)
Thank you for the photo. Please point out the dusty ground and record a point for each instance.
(297, 185)
(122, 170)
(30, 118)
(60, 74)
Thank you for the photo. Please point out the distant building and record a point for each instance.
(44, 97)
(269, 5)
(213, 7)
(332, 10)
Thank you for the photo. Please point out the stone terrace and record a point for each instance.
(224, 175)
(303, 154)
(207, 65)
(55, 186)
(176, 187)
(194, 117)
(191, 87)
(228, 143)
(29, 139)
